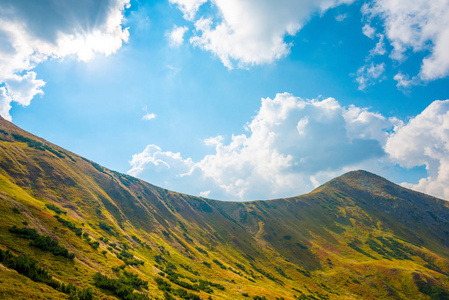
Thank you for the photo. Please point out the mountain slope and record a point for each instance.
(358, 236)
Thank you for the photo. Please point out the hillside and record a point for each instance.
(358, 236)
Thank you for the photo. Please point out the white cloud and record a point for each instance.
(250, 32)
(23, 88)
(425, 141)
(5, 104)
(379, 49)
(420, 26)
(169, 170)
(188, 7)
(205, 194)
(176, 36)
(369, 74)
(159, 160)
(404, 81)
(148, 116)
(341, 17)
(369, 31)
(31, 32)
(292, 145)
(213, 141)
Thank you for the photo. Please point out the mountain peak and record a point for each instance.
(359, 174)
(362, 180)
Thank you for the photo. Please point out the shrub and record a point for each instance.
(435, 292)
(219, 264)
(24, 265)
(201, 250)
(28, 267)
(36, 145)
(135, 238)
(43, 242)
(105, 227)
(94, 244)
(123, 286)
(168, 290)
(55, 209)
(128, 258)
(77, 230)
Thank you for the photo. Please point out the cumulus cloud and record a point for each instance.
(169, 170)
(292, 145)
(403, 80)
(368, 31)
(23, 88)
(31, 32)
(420, 26)
(425, 141)
(369, 74)
(5, 104)
(205, 194)
(176, 36)
(148, 116)
(250, 32)
(188, 7)
(153, 155)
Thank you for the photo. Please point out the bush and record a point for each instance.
(168, 290)
(135, 238)
(43, 242)
(128, 258)
(118, 268)
(85, 294)
(219, 264)
(123, 287)
(36, 145)
(24, 265)
(201, 250)
(94, 244)
(55, 209)
(105, 227)
(77, 230)
(28, 267)
(435, 292)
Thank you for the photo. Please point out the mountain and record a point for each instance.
(70, 228)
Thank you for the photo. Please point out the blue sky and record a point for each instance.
(209, 132)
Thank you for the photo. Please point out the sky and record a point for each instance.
(235, 99)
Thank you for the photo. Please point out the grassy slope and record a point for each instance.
(324, 244)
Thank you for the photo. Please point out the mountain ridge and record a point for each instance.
(357, 236)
